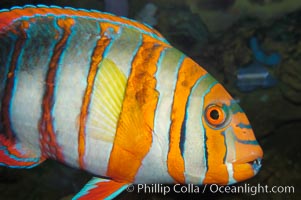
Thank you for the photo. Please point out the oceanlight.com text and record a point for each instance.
(195, 189)
(251, 189)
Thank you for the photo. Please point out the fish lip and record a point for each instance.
(255, 163)
(254, 157)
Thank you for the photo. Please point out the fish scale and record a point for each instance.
(112, 97)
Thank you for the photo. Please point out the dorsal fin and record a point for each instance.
(7, 17)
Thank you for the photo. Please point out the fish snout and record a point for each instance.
(248, 162)
(251, 154)
(255, 158)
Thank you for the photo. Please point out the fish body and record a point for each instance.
(111, 96)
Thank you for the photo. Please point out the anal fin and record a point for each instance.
(99, 188)
(16, 155)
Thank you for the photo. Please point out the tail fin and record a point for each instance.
(15, 155)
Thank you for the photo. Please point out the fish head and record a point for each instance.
(220, 146)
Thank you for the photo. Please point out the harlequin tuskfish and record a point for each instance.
(112, 97)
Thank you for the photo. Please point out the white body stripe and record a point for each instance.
(194, 148)
(70, 89)
(122, 52)
(154, 165)
(230, 173)
(230, 154)
(26, 106)
(230, 141)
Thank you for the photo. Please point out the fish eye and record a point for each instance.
(215, 115)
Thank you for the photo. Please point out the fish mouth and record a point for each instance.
(253, 159)
(256, 164)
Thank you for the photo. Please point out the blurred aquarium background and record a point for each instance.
(253, 47)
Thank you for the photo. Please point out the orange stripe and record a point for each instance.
(97, 56)
(242, 172)
(133, 136)
(188, 74)
(7, 18)
(216, 148)
(46, 128)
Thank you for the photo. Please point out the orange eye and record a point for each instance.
(215, 115)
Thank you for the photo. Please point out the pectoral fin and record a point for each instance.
(99, 188)
(16, 155)
(106, 101)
